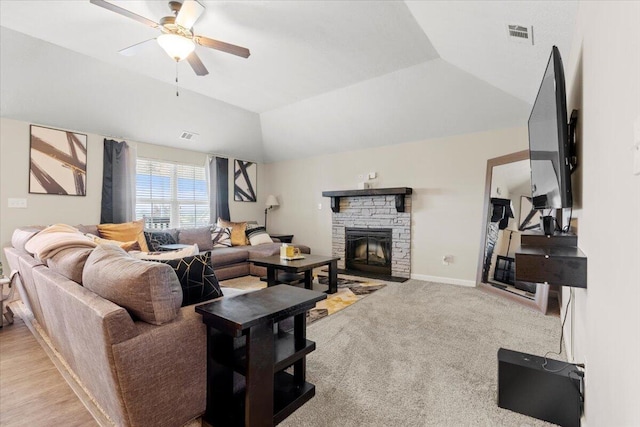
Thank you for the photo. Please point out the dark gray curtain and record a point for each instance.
(218, 188)
(118, 183)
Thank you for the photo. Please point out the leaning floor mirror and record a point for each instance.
(507, 214)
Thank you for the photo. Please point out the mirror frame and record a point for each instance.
(542, 292)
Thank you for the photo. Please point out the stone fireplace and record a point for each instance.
(371, 230)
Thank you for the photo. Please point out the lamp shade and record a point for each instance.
(271, 201)
(176, 46)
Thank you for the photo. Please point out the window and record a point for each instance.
(171, 194)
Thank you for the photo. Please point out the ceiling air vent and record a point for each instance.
(520, 34)
(188, 136)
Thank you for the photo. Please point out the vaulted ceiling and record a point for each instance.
(322, 76)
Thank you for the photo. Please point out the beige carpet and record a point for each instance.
(419, 354)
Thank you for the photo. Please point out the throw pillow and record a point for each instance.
(133, 245)
(125, 232)
(180, 253)
(198, 280)
(200, 236)
(238, 229)
(149, 291)
(155, 239)
(221, 237)
(258, 235)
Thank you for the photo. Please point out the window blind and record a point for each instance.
(171, 194)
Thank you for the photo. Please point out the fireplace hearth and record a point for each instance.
(368, 250)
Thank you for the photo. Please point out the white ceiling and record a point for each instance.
(322, 76)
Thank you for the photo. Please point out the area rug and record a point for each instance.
(350, 291)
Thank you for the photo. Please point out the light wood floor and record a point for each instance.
(32, 391)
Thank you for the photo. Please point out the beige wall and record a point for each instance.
(603, 82)
(447, 176)
(49, 209)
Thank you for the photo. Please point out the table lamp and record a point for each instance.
(269, 204)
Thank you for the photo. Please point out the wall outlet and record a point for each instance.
(17, 203)
(447, 259)
(319, 206)
(373, 175)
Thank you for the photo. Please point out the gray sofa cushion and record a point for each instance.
(227, 256)
(70, 263)
(200, 236)
(268, 249)
(264, 250)
(148, 290)
(22, 235)
(88, 229)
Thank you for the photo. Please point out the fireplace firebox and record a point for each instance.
(368, 250)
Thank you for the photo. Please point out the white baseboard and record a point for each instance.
(447, 280)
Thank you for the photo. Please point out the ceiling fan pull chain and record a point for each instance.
(177, 88)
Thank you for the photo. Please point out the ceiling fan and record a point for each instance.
(177, 38)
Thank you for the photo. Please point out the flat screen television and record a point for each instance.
(549, 149)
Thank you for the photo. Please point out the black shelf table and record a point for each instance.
(246, 358)
(304, 265)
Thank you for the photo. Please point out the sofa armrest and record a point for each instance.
(162, 371)
(83, 327)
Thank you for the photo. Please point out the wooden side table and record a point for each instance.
(284, 238)
(246, 359)
(304, 265)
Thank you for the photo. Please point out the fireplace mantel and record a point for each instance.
(399, 192)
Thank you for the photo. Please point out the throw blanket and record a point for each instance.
(56, 238)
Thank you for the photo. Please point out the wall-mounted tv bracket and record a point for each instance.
(573, 150)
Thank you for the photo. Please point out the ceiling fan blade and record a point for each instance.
(189, 13)
(194, 60)
(125, 12)
(222, 46)
(136, 48)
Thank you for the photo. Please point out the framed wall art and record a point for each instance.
(244, 181)
(58, 162)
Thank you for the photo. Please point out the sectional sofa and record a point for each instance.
(139, 371)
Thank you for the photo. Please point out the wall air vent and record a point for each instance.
(188, 136)
(520, 34)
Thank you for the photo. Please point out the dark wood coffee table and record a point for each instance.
(246, 359)
(305, 265)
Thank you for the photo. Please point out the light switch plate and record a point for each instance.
(636, 146)
(17, 203)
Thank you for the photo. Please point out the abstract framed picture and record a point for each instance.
(244, 181)
(58, 162)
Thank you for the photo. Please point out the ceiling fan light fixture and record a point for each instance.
(177, 47)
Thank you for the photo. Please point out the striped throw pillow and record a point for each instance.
(258, 236)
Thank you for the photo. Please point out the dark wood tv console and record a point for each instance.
(553, 260)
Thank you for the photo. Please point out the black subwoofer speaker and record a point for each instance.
(524, 386)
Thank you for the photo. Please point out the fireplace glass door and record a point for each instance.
(369, 250)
